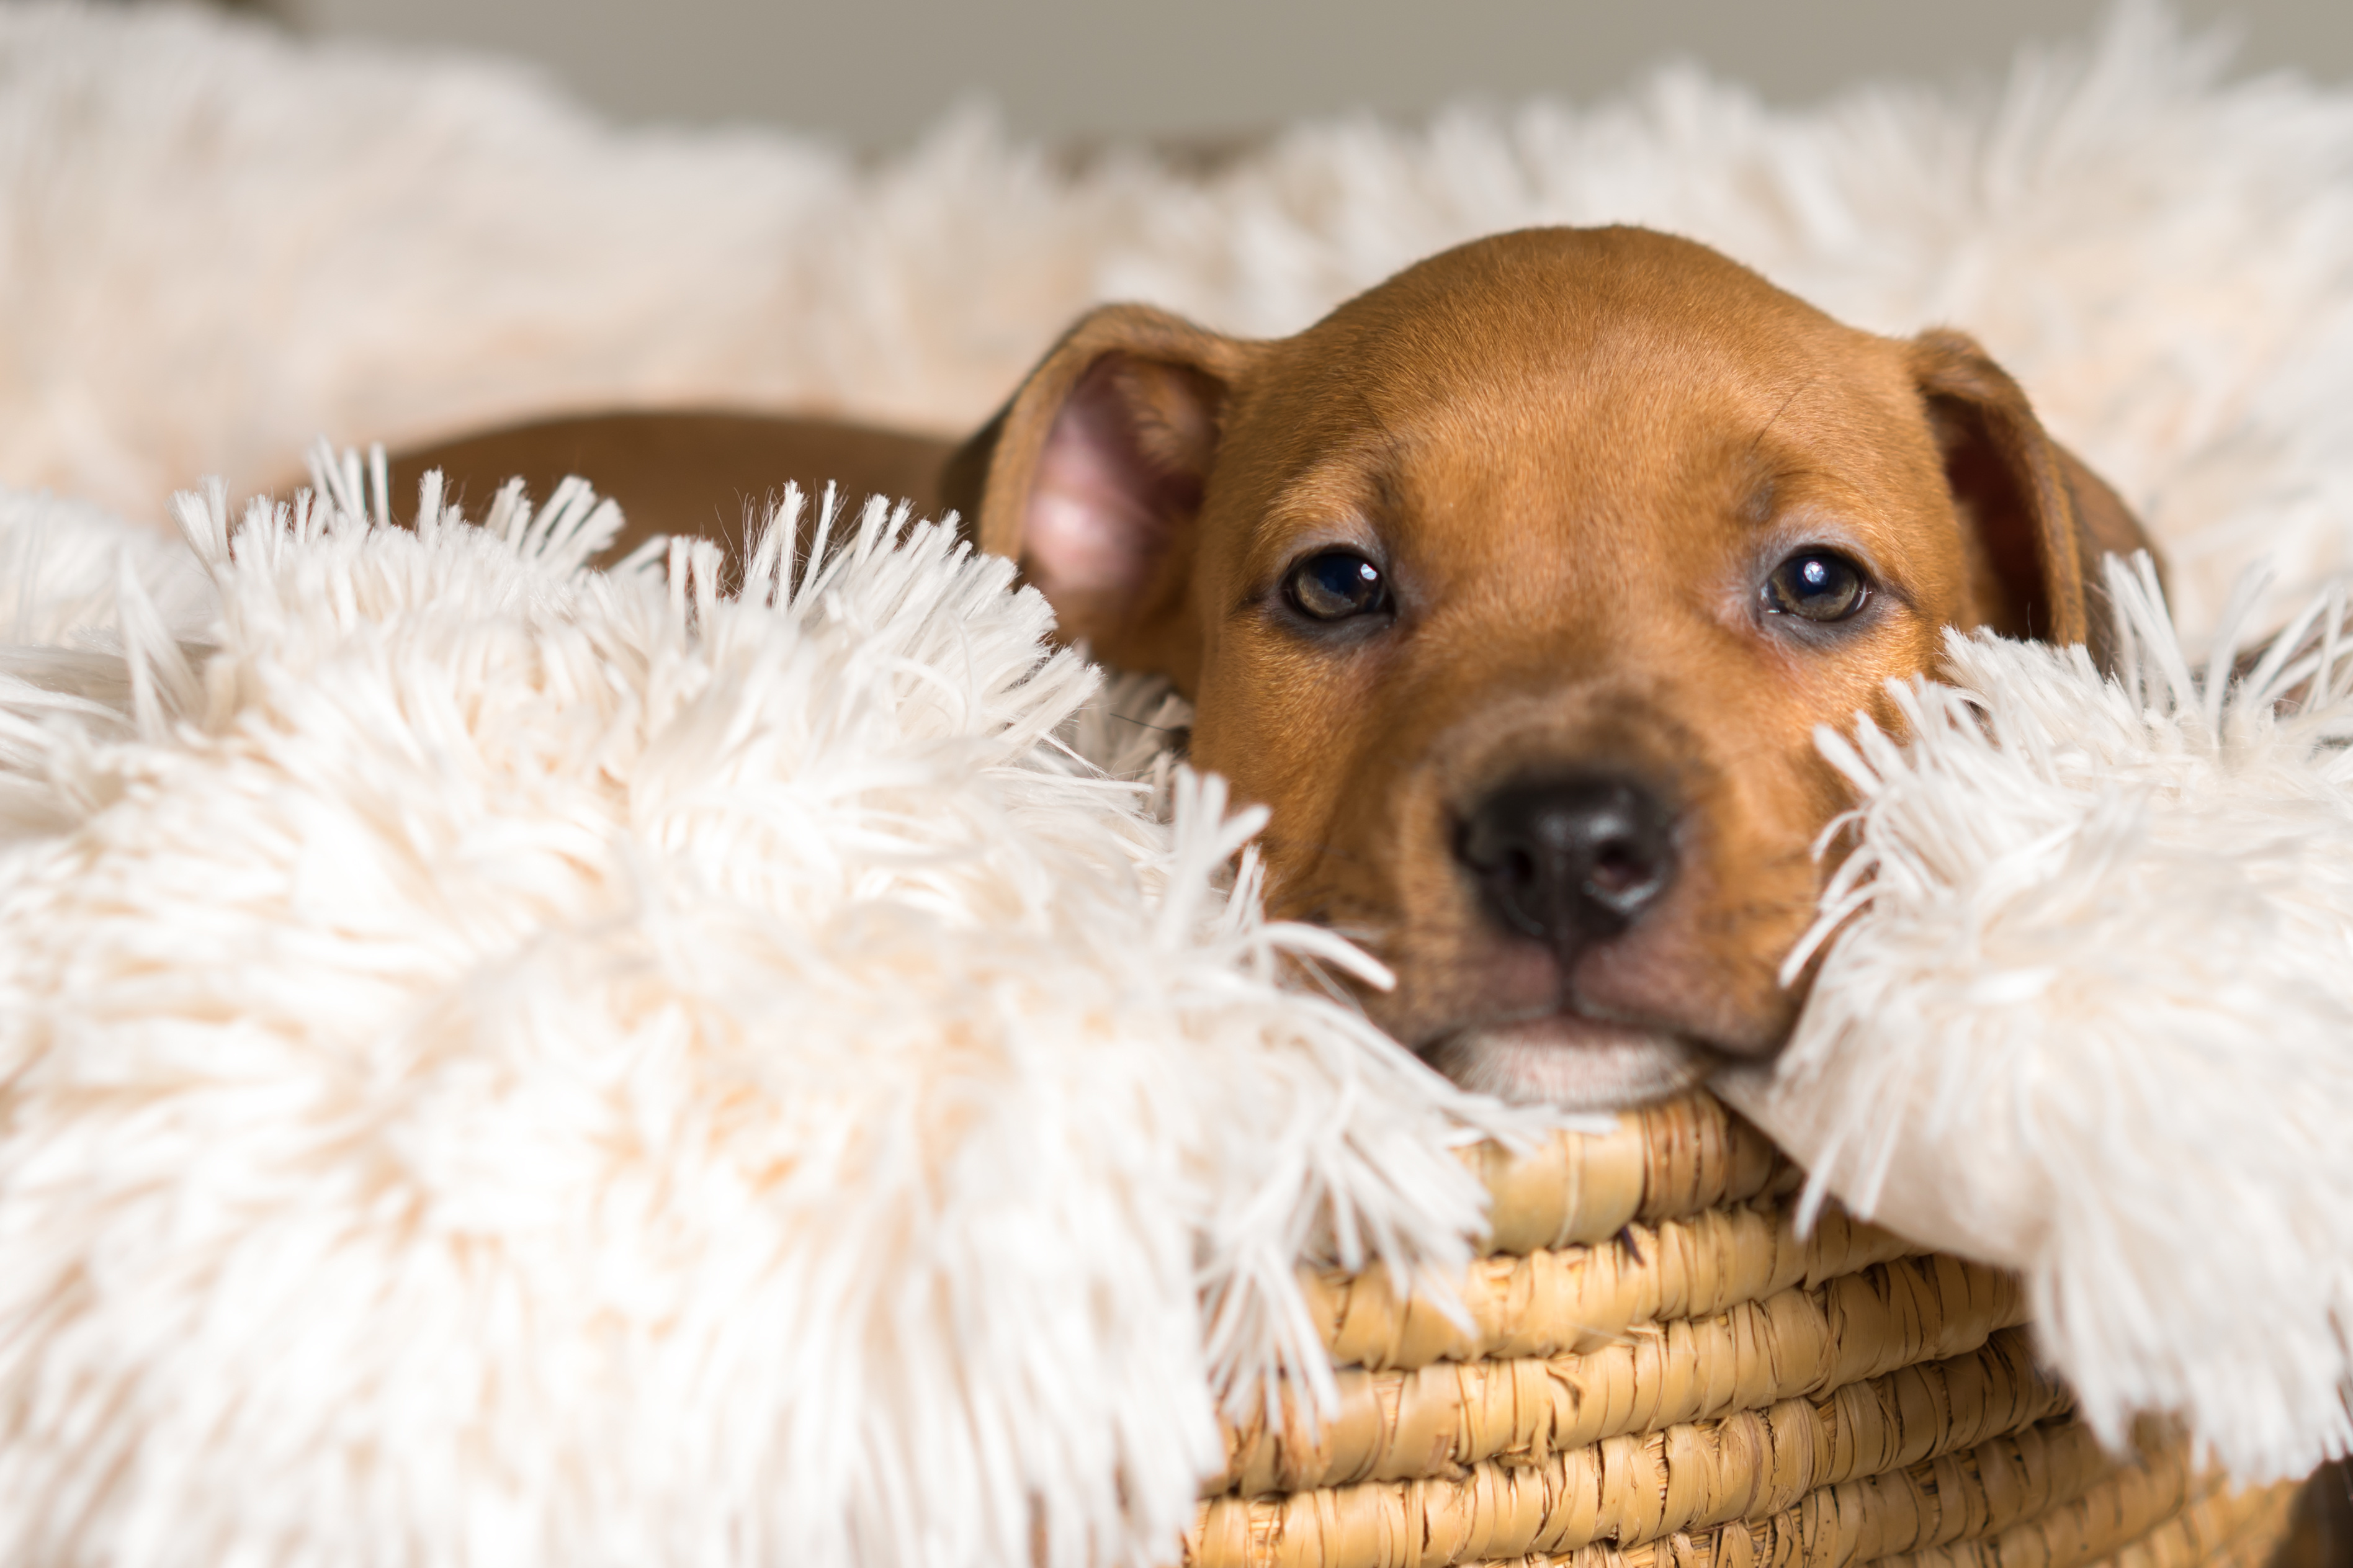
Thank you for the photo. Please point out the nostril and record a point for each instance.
(1571, 860)
(1618, 867)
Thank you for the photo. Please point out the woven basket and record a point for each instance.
(1658, 1370)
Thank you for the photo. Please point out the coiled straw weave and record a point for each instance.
(1656, 1369)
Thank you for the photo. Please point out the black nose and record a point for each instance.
(1571, 860)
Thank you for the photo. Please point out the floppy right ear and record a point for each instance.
(2040, 521)
(1092, 476)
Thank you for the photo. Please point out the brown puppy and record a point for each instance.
(1516, 587)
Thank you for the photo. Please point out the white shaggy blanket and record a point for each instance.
(450, 773)
(216, 244)
(503, 1064)
(2086, 1009)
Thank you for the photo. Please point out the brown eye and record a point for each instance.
(1818, 585)
(1335, 584)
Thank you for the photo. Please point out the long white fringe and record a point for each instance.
(2084, 1007)
(508, 1064)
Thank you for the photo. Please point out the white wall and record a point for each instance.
(876, 72)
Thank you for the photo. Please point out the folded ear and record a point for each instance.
(2037, 520)
(1092, 476)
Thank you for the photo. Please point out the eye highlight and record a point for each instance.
(1335, 584)
(1817, 585)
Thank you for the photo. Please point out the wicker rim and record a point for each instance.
(1652, 1366)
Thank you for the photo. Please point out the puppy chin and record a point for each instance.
(1576, 1064)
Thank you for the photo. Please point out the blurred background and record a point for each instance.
(337, 222)
(875, 72)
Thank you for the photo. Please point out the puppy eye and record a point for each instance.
(1818, 585)
(1335, 585)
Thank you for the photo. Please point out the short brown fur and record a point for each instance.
(1576, 454)
(685, 471)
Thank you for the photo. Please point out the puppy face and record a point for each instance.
(1518, 588)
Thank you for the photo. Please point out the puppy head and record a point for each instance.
(1516, 588)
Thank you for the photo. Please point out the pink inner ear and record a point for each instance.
(1098, 520)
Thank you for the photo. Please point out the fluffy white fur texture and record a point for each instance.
(504, 1064)
(2086, 1008)
(219, 242)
